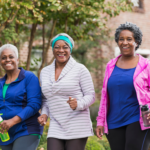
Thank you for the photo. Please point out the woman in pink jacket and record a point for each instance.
(126, 88)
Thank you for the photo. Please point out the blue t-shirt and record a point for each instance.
(124, 106)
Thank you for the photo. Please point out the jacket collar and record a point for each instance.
(71, 62)
(20, 77)
(142, 64)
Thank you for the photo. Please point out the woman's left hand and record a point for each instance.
(6, 125)
(72, 102)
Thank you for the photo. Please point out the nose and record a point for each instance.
(61, 49)
(125, 42)
(7, 59)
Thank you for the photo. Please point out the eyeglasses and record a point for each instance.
(64, 48)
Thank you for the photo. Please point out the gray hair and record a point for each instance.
(63, 34)
(137, 33)
(9, 46)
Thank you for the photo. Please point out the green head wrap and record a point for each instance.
(65, 37)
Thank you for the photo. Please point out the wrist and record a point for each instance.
(15, 120)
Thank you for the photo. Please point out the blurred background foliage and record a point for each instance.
(85, 21)
(27, 20)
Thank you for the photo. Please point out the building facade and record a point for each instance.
(139, 16)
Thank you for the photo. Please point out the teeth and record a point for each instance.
(8, 64)
(60, 55)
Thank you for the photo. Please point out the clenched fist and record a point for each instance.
(72, 102)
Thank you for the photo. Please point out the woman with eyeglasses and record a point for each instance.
(68, 92)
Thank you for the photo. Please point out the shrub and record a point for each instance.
(93, 144)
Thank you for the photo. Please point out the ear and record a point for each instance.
(135, 44)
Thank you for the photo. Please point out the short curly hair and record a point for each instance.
(137, 33)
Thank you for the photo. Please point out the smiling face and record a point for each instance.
(61, 52)
(8, 60)
(127, 43)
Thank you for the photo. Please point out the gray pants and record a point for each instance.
(28, 142)
(58, 144)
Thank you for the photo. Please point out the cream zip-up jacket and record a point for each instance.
(141, 81)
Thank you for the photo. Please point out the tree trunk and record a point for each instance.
(16, 29)
(33, 30)
(45, 51)
(51, 60)
(66, 22)
(1, 72)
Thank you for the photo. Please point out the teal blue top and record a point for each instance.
(5, 87)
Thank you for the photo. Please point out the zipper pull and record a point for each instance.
(3, 100)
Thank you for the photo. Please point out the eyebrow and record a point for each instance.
(8, 55)
(63, 45)
(127, 37)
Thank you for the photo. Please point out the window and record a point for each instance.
(36, 57)
(135, 3)
(138, 6)
(141, 4)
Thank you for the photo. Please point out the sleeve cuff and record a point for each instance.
(79, 107)
(100, 122)
(45, 112)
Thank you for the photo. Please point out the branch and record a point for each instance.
(66, 22)
(51, 34)
(44, 55)
(8, 21)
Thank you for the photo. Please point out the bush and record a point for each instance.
(93, 144)
(105, 143)
(94, 113)
(43, 140)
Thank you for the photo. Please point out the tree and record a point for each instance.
(77, 18)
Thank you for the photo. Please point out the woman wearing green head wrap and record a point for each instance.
(68, 92)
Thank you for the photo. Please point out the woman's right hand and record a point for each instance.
(42, 119)
(99, 131)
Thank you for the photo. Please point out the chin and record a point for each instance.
(9, 69)
(63, 61)
(127, 54)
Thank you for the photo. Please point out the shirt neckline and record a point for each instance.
(125, 69)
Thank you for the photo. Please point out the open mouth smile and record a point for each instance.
(8, 65)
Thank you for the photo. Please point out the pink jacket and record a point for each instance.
(141, 80)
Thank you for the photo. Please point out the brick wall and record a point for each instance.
(23, 52)
(140, 17)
